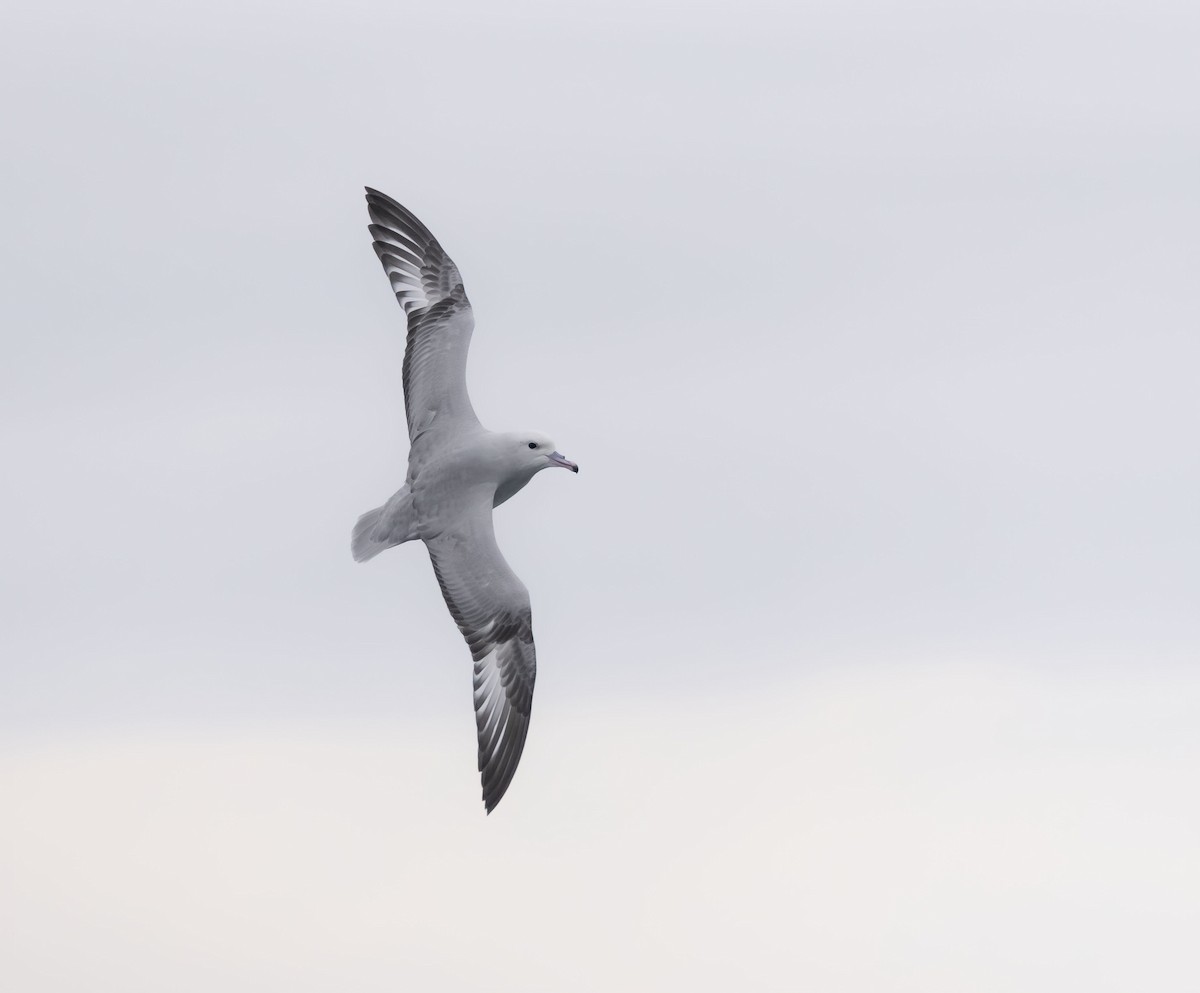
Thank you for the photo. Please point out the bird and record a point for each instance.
(458, 471)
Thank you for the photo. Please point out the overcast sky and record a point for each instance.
(868, 630)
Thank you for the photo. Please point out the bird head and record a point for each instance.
(537, 452)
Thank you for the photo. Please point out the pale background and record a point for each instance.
(868, 631)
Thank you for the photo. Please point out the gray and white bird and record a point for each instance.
(457, 472)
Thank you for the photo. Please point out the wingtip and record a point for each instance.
(491, 800)
(378, 197)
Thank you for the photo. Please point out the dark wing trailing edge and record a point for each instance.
(440, 320)
(491, 607)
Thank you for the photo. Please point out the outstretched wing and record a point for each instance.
(440, 321)
(491, 607)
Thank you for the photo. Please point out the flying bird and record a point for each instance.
(458, 471)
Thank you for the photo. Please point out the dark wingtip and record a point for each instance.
(492, 797)
(491, 800)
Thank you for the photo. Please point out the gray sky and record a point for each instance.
(867, 631)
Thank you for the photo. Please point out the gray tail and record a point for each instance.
(383, 527)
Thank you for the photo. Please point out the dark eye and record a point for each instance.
(533, 444)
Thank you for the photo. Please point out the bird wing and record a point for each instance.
(440, 321)
(491, 607)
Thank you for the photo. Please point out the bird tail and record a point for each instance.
(383, 527)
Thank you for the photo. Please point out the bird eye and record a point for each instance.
(533, 444)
